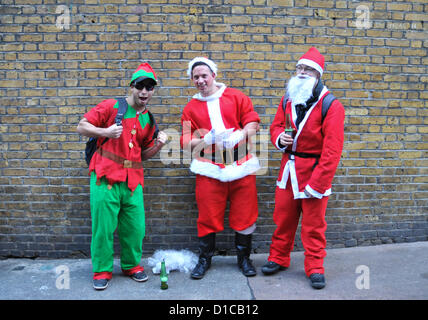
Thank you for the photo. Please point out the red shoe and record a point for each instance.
(136, 273)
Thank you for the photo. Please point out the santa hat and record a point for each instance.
(203, 60)
(144, 71)
(314, 59)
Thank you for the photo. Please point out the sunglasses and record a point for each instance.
(141, 86)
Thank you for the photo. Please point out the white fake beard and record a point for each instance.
(300, 89)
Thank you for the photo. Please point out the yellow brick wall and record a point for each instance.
(52, 73)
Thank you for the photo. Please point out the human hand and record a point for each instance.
(114, 131)
(285, 139)
(162, 137)
(308, 194)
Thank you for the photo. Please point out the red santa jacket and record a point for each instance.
(227, 108)
(324, 138)
(137, 129)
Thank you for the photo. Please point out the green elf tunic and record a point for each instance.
(116, 188)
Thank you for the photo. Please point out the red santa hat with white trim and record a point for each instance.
(314, 59)
(201, 60)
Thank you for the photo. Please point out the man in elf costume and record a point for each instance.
(216, 124)
(311, 155)
(117, 179)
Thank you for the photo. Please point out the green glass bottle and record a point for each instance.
(288, 128)
(163, 276)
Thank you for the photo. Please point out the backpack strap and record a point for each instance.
(153, 121)
(326, 103)
(284, 101)
(123, 107)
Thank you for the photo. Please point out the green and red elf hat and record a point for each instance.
(144, 71)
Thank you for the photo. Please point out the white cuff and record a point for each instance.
(313, 193)
(277, 144)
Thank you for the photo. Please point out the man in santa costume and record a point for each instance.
(311, 155)
(117, 178)
(217, 124)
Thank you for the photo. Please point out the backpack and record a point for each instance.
(326, 103)
(91, 145)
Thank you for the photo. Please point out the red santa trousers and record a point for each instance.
(313, 226)
(212, 196)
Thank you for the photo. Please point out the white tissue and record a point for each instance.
(181, 260)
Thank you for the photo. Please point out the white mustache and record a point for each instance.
(300, 88)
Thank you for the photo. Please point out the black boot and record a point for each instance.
(243, 247)
(317, 280)
(206, 251)
(272, 268)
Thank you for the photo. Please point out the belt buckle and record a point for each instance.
(127, 164)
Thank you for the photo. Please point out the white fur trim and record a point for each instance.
(312, 64)
(248, 230)
(293, 177)
(215, 115)
(207, 61)
(229, 173)
(215, 95)
(316, 194)
(285, 173)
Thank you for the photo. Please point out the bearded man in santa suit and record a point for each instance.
(311, 155)
(216, 124)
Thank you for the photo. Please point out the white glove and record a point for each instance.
(210, 137)
(233, 139)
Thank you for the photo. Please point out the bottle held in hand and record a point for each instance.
(288, 128)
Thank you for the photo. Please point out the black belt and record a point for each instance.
(227, 157)
(303, 154)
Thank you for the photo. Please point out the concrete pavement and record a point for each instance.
(391, 271)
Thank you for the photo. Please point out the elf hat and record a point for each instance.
(144, 71)
(314, 59)
(203, 60)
